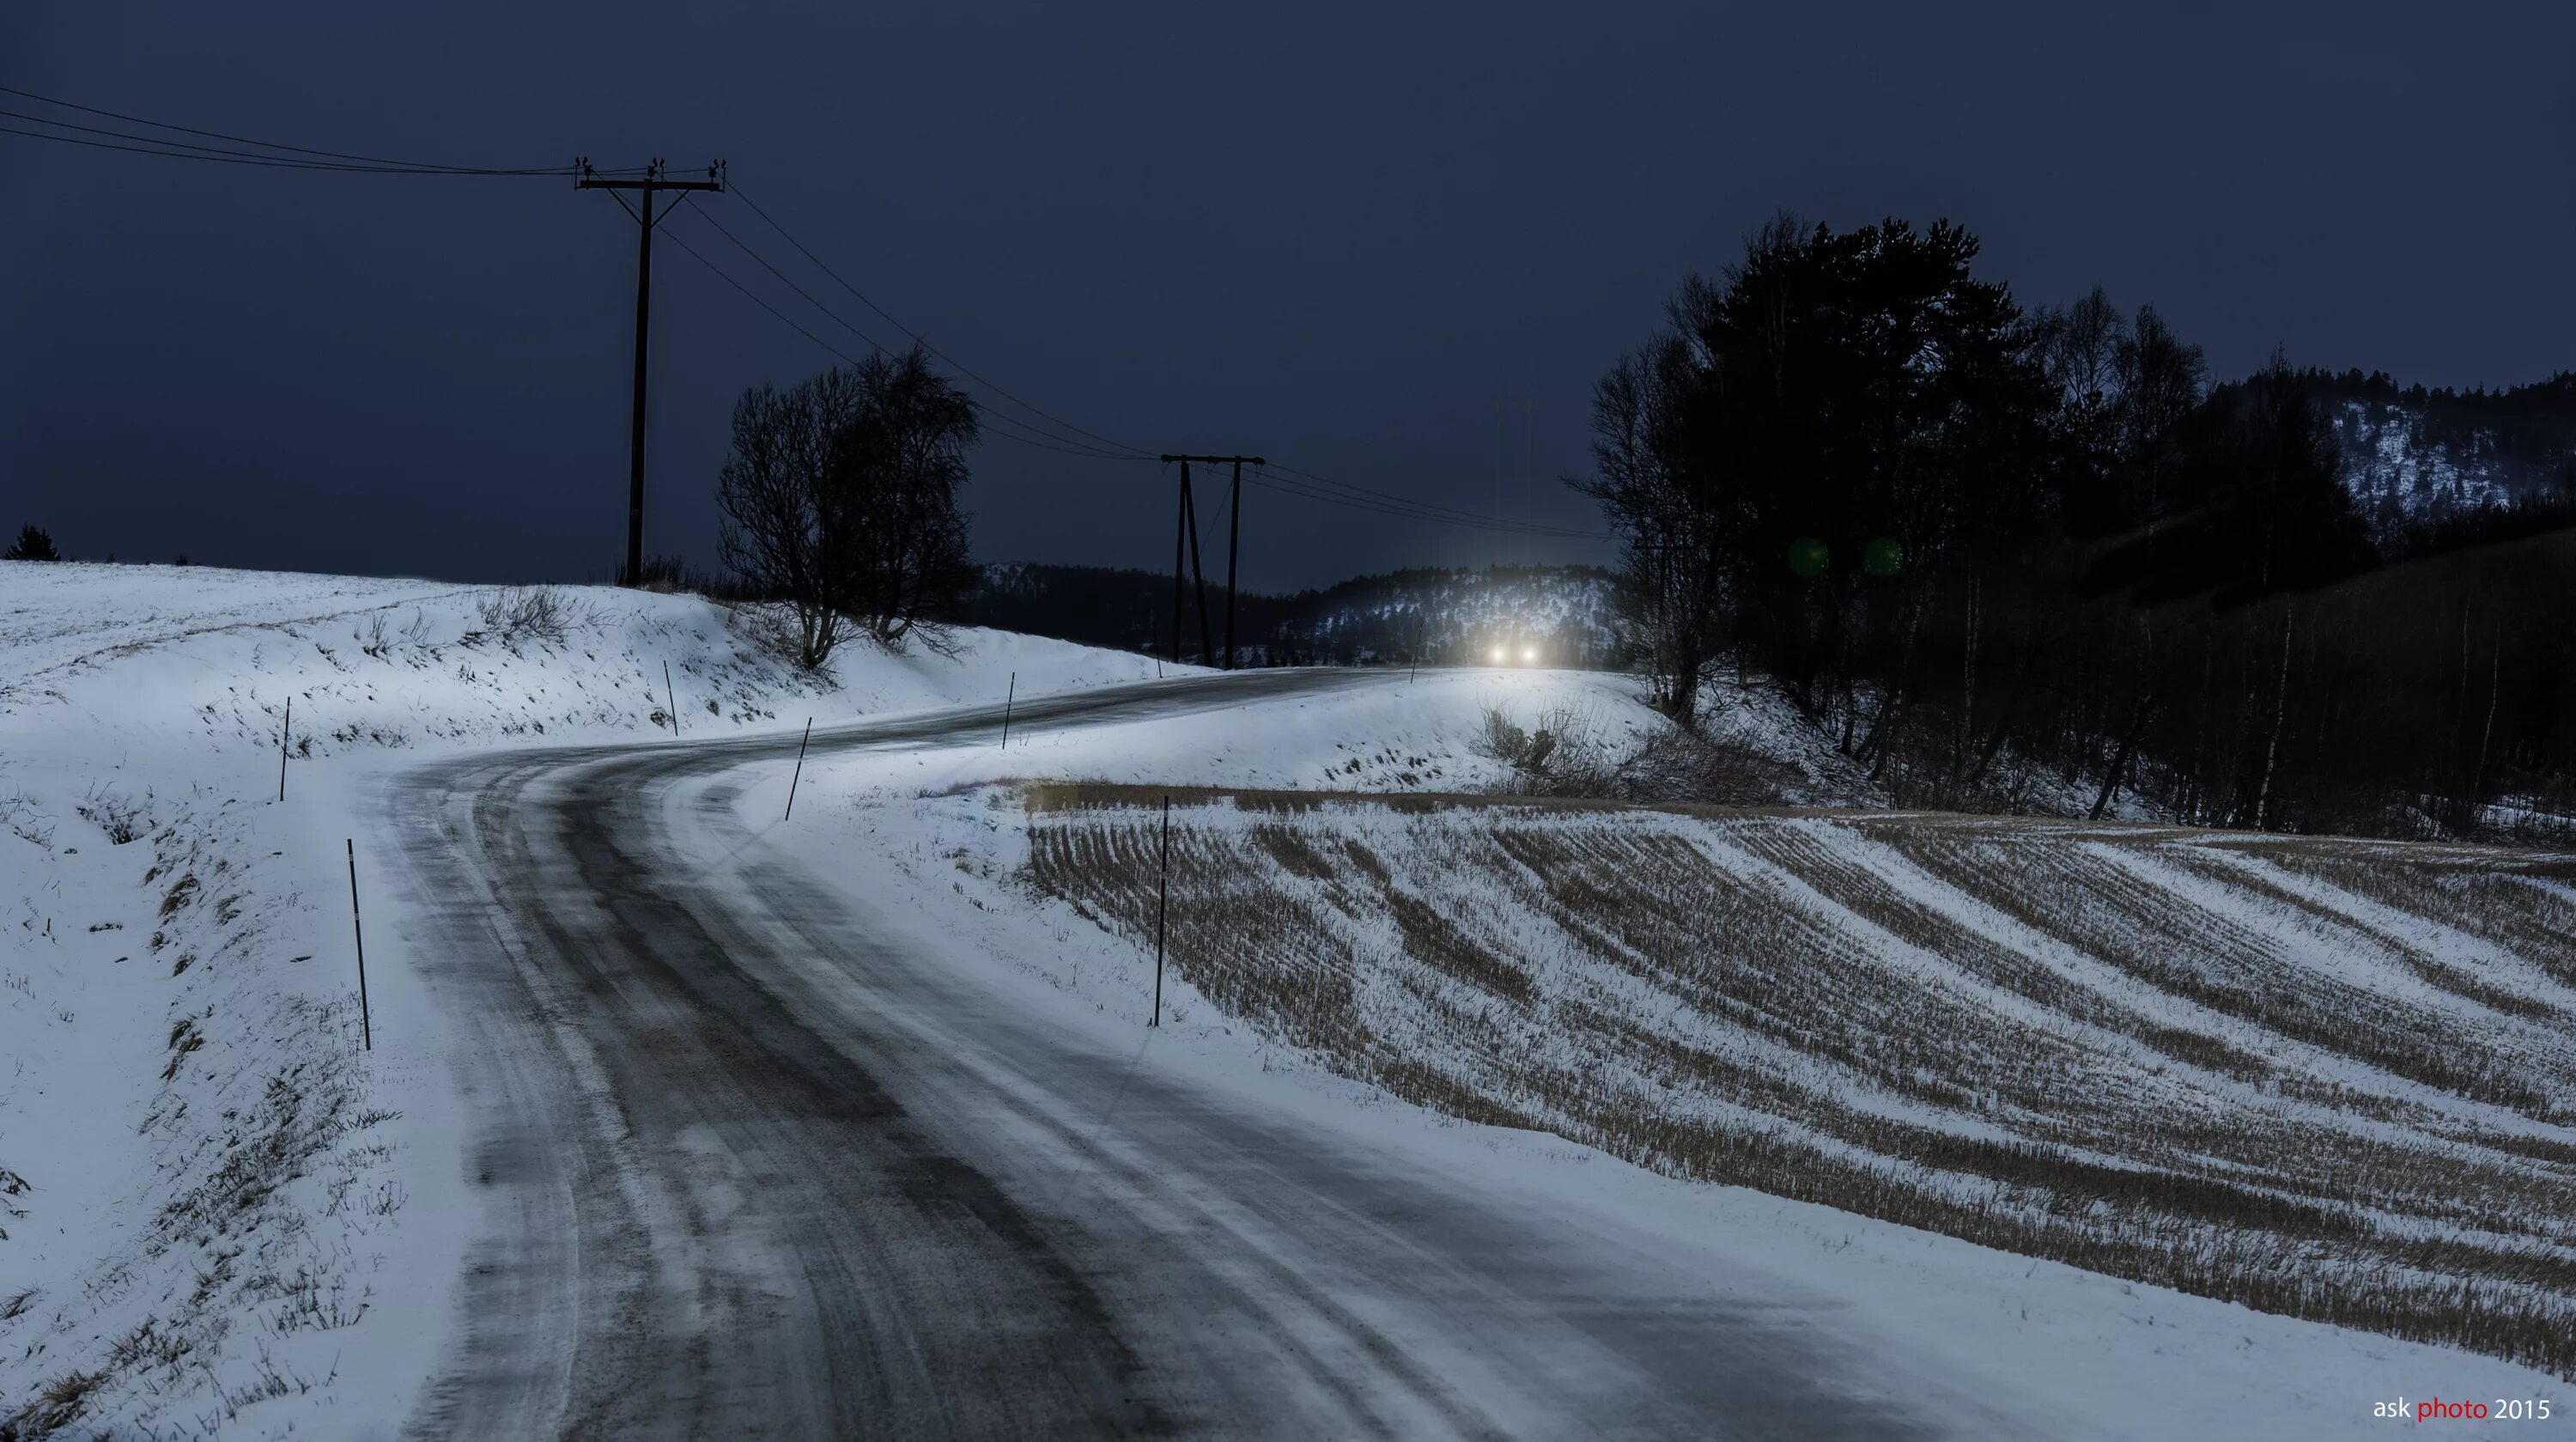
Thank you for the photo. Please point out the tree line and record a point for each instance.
(2034, 558)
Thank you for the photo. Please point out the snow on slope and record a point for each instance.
(232, 1219)
(2397, 475)
(218, 1214)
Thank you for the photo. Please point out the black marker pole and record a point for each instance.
(800, 768)
(366, 1023)
(1162, 911)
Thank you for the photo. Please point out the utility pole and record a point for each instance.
(650, 185)
(1233, 547)
(1180, 554)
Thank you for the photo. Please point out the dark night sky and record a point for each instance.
(1390, 243)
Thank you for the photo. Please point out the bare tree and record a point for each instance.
(2161, 381)
(899, 466)
(775, 491)
(2080, 347)
(840, 499)
(1672, 591)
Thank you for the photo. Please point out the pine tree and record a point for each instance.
(33, 544)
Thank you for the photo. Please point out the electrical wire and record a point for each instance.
(178, 146)
(995, 425)
(1006, 427)
(1410, 512)
(1430, 508)
(279, 164)
(1316, 487)
(1074, 440)
(405, 166)
(763, 262)
(919, 340)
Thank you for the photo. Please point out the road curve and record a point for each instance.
(752, 1170)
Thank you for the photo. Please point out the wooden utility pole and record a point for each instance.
(1183, 542)
(649, 186)
(1233, 549)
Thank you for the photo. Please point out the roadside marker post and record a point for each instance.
(366, 1022)
(1007, 698)
(284, 729)
(800, 768)
(671, 696)
(1162, 911)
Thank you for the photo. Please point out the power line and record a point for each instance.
(763, 262)
(1433, 509)
(190, 150)
(1310, 487)
(920, 340)
(1004, 426)
(409, 166)
(1410, 511)
(1321, 488)
(1327, 488)
(1076, 440)
(1064, 444)
(265, 164)
(990, 421)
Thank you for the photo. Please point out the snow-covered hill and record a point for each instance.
(219, 1213)
(2398, 474)
(2414, 455)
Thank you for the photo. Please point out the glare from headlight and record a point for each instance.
(1529, 655)
(1501, 655)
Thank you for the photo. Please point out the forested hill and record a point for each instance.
(1548, 615)
(2419, 456)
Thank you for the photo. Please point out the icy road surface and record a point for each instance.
(754, 1169)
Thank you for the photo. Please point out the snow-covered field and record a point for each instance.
(222, 1216)
(2316, 1077)
(1405, 965)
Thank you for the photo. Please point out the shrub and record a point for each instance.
(537, 612)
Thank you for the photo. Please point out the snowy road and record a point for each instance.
(754, 1168)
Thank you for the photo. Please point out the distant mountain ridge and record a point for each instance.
(1530, 615)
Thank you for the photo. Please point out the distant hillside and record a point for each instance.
(1550, 615)
(2419, 456)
